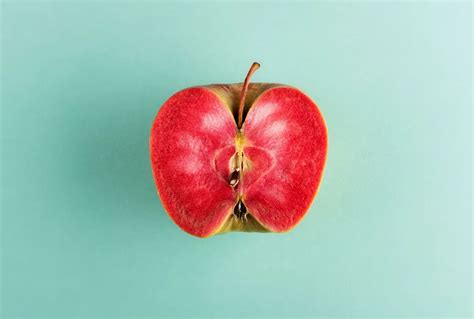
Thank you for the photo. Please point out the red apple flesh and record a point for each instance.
(238, 157)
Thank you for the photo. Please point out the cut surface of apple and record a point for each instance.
(238, 157)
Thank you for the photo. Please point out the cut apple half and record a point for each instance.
(238, 157)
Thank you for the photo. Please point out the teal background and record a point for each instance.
(84, 234)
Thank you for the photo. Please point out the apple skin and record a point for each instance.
(193, 145)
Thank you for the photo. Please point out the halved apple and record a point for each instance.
(238, 157)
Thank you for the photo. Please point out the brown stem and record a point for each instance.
(245, 87)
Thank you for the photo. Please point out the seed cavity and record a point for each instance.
(234, 178)
(236, 175)
(240, 211)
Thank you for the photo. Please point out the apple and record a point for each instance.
(238, 157)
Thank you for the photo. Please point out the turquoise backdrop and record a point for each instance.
(85, 235)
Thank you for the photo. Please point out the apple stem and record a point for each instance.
(245, 87)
